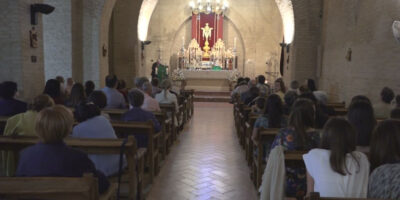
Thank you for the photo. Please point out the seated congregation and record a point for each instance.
(298, 143)
(62, 113)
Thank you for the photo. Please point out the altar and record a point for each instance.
(207, 63)
(207, 80)
(206, 74)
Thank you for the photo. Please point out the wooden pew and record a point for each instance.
(123, 129)
(243, 116)
(189, 94)
(336, 104)
(170, 108)
(190, 102)
(263, 136)
(182, 109)
(116, 114)
(316, 196)
(60, 188)
(341, 111)
(248, 141)
(91, 146)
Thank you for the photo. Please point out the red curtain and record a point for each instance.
(214, 21)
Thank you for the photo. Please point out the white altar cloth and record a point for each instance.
(206, 74)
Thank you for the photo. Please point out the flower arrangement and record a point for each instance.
(178, 75)
(233, 75)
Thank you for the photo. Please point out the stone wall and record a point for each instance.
(303, 52)
(16, 53)
(124, 48)
(364, 26)
(57, 37)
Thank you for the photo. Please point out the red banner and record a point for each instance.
(214, 21)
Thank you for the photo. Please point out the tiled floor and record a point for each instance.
(207, 162)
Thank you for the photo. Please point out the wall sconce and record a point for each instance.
(104, 50)
(40, 8)
(144, 43)
(285, 45)
(396, 30)
(348, 55)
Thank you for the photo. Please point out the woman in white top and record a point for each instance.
(166, 97)
(93, 125)
(336, 169)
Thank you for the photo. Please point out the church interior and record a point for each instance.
(200, 99)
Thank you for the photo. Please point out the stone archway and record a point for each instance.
(301, 14)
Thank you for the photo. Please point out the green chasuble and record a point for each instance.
(162, 72)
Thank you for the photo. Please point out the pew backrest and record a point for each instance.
(60, 188)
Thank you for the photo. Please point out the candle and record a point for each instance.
(234, 43)
(183, 41)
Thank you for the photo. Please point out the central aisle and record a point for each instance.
(208, 162)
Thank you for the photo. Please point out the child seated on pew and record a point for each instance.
(93, 125)
(384, 181)
(259, 106)
(51, 157)
(272, 117)
(336, 169)
(137, 114)
(299, 135)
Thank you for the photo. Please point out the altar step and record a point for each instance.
(201, 96)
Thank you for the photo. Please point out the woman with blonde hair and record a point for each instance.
(23, 124)
(51, 156)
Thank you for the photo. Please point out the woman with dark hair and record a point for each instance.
(336, 169)
(10, 106)
(77, 95)
(93, 125)
(239, 81)
(52, 89)
(361, 115)
(290, 98)
(121, 87)
(279, 88)
(321, 112)
(360, 98)
(272, 116)
(311, 85)
(384, 181)
(100, 100)
(299, 135)
(89, 87)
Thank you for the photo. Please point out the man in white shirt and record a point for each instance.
(115, 100)
(264, 89)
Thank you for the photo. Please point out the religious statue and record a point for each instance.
(206, 35)
(33, 36)
(206, 32)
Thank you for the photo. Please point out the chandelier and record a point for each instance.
(209, 6)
